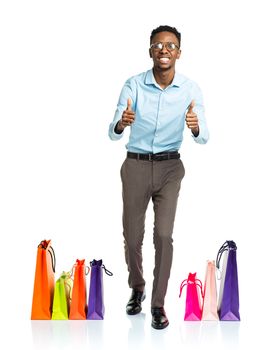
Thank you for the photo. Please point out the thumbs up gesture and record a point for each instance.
(192, 120)
(128, 117)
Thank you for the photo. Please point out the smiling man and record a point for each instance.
(156, 105)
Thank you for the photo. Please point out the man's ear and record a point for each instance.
(150, 54)
(178, 54)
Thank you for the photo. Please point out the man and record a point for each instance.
(155, 104)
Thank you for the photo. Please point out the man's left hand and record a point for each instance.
(192, 120)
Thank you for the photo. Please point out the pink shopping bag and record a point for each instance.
(210, 294)
(193, 311)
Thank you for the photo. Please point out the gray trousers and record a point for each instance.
(141, 181)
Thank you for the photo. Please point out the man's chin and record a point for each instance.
(163, 67)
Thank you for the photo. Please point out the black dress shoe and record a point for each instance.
(159, 319)
(134, 304)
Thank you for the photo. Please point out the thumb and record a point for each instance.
(191, 106)
(129, 104)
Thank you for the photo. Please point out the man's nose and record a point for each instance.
(164, 49)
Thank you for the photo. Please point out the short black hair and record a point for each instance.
(166, 29)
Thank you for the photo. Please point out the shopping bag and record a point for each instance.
(62, 297)
(96, 308)
(193, 310)
(78, 307)
(44, 282)
(221, 274)
(229, 307)
(209, 312)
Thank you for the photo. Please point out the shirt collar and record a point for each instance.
(150, 79)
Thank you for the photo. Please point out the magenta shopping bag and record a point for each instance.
(229, 306)
(193, 311)
(96, 308)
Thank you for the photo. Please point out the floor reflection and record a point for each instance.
(229, 332)
(136, 332)
(41, 334)
(95, 330)
(59, 334)
(209, 333)
(159, 338)
(190, 333)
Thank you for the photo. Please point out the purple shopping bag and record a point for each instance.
(96, 308)
(228, 309)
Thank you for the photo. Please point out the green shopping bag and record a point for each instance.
(62, 297)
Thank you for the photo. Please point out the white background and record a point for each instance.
(62, 66)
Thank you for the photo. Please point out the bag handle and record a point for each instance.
(99, 263)
(53, 260)
(197, 283)
(182, 285)
(228, 245)
(44, 245)
(68, 277)
(221, 250)
(74, 266)
(109, 273)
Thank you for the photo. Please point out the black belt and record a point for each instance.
(154, 156)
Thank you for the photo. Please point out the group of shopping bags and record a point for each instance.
(202, 303)
(66, 298)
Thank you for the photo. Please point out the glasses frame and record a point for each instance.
(164, 44)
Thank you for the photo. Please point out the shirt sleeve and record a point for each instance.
(199, 109)
(128, 91)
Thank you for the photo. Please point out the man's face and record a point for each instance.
(164, 58)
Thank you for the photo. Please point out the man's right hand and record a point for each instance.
(128, 117)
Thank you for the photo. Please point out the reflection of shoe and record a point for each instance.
(134, 304)
(159, 319)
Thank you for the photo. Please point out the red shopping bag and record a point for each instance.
(78, 307)
(193, 310)
(44, 282)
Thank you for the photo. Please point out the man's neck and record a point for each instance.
(164, 78)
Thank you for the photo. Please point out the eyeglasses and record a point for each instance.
(159, 46)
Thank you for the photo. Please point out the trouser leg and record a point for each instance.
(135, 175)
(168, 180)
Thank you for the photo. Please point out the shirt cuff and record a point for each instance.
(112, 134)
(201, 138)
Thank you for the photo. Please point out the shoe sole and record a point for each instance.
(161, 327)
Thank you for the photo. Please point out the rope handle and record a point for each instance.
(67, 278)
(44, 245)
(182, 285)
(109, 273)
(221, 250)
(72, 271)
(186, 282)
(53, 259)
(200, 286)
(92, 263)
(228, 245)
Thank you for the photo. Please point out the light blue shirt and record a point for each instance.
(159, 113)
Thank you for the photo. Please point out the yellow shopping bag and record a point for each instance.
(62, 297)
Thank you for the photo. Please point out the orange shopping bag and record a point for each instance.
(78, 308)
(44, 282)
